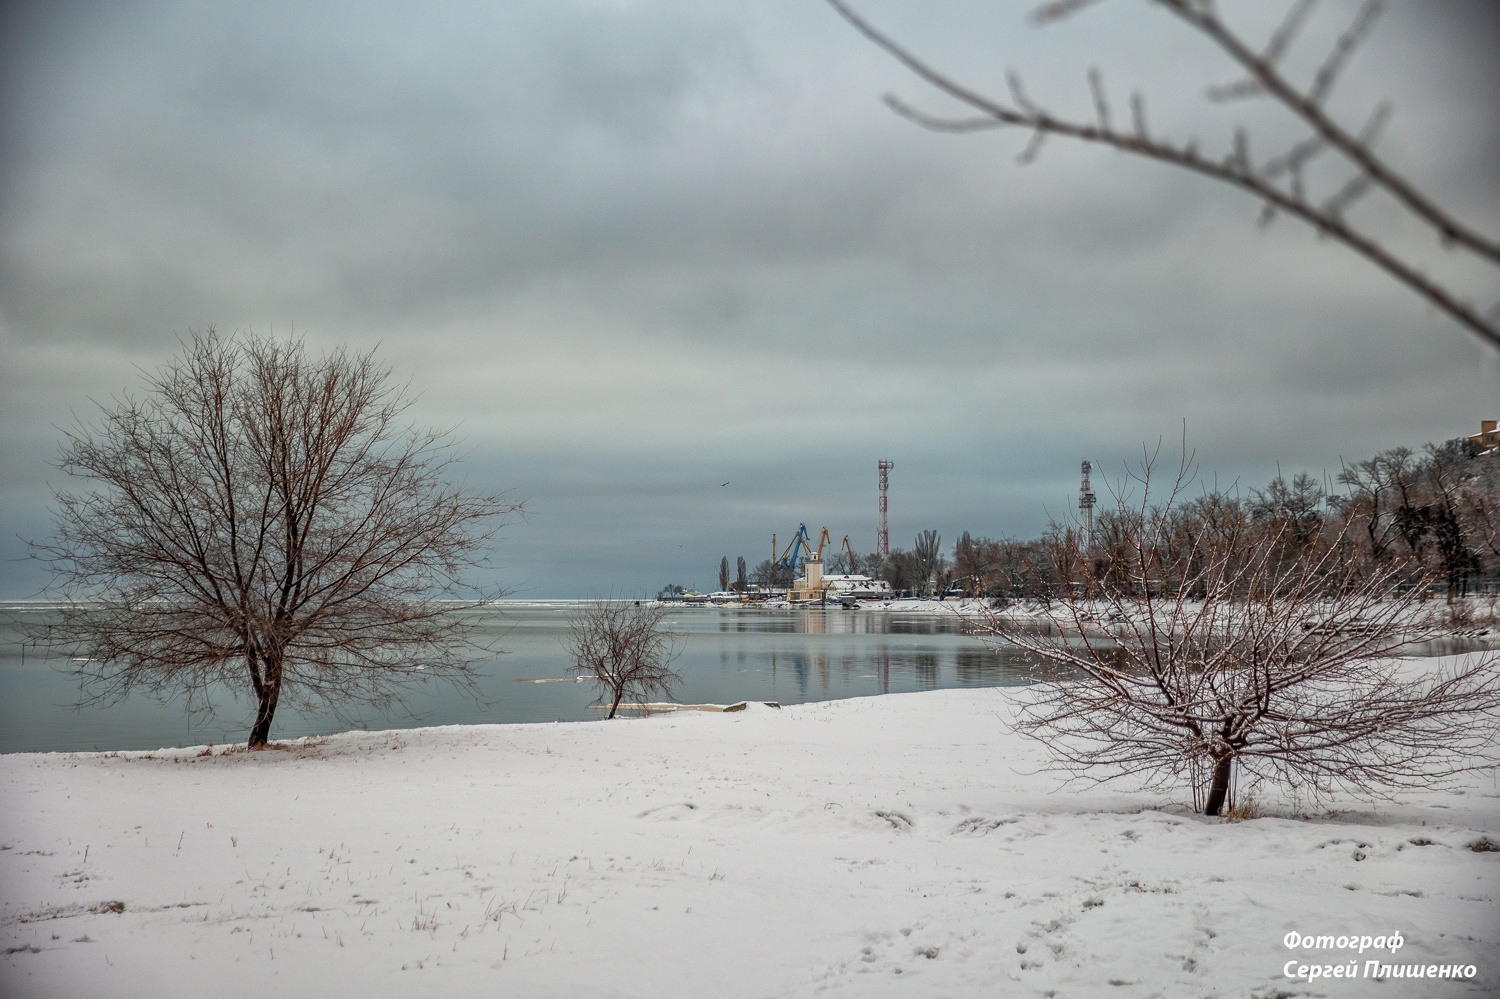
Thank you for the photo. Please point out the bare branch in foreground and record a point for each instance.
(1279, 184)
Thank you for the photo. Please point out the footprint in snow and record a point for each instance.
(887, 952)
(980, 826)
(671, 812)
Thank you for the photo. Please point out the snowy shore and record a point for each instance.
(889, 846)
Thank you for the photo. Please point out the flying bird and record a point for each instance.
(723, 484)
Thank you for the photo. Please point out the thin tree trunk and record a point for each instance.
(619, 696)
(267, 697)
(1218, 791)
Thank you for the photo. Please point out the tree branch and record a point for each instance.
(1237, 169)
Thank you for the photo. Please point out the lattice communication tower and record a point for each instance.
(883, 535)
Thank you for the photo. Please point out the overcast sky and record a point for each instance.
(634, 251)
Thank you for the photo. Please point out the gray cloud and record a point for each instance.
(636, 250)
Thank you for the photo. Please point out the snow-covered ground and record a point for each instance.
(889, 846)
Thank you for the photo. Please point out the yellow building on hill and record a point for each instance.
(1488, 436)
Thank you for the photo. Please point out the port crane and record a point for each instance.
(800, 548)
(793, 550)
(853, 560)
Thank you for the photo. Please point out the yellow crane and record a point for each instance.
(811, 586)
(800, 543)
(853, 561)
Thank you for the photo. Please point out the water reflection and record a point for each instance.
(728, 654)
(829, 621)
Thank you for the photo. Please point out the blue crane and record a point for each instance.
(794, 550)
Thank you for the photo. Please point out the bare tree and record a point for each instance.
(769, 574)
(1479, 504)
(973, 561)
(1445, 467)
(263, 519)
(991, 568)
(1376, 485)
(927, 549)
(1214, 660)
(1279, 182)
(898, 567)
(625, 648)
(741, 579)
(724, 573)
(1439, 506)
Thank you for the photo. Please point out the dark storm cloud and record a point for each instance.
(636, 250)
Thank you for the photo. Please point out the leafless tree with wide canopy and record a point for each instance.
(1225, 650)
(262, 518)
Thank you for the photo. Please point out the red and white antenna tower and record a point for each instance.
(1086, 500)
(883, 536)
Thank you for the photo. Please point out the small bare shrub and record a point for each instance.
(625, 648)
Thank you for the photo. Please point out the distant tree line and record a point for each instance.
(1436, 511)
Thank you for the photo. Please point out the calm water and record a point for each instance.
(727, 655)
